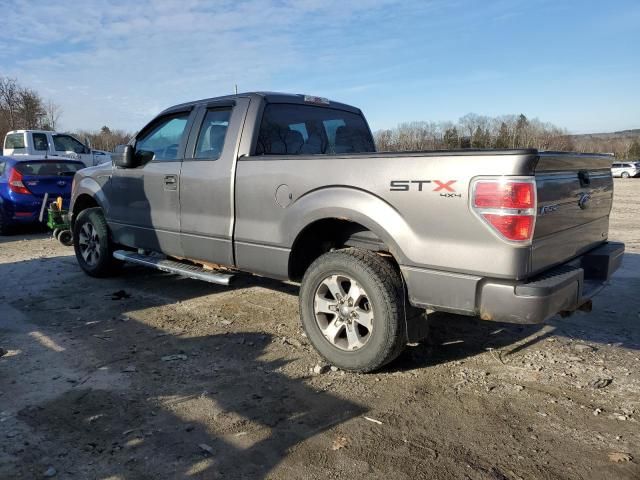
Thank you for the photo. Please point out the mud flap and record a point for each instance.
(417, 324)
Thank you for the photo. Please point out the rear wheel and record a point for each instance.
(92, 245)
(625, 175)
(352, 309)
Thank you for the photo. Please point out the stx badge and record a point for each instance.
(446, 187)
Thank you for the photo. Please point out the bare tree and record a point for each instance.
(53, 113)
(9, 100)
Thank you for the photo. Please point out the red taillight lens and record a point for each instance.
(15, 182)
(507, 206)
(513, 227)
(516, 195)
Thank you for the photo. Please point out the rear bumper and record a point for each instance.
(562, 289)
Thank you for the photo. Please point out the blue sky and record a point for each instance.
(118, 63)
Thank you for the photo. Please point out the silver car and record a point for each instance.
(625, 169)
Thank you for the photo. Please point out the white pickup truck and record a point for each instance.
(38, 144)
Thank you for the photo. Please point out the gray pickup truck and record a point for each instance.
(291, 187)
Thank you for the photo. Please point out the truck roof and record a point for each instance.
(30, 131)
(270, 97)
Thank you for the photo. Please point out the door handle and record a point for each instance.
(170, 182)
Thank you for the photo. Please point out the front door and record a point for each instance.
(70, 147)
(145, 204)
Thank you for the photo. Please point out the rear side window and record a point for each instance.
(48, 168)
(290, 129)
(15, 141)
(163, 139)
(212, 134)
(40, 142)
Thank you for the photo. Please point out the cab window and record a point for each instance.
(66, 143)
(164, 137)
(291, 129)
(212, 134)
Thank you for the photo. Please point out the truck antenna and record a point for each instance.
(236, 87)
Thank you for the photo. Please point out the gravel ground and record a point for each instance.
(173, 378)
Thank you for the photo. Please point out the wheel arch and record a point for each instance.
(337, 217)
(87, 194)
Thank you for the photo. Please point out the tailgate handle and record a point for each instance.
(585, 180)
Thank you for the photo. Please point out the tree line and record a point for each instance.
(24, 108)
(507, 131)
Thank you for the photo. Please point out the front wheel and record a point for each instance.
(92, 245)
(624, 174)
(352, 309)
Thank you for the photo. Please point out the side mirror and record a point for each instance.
(123, 156)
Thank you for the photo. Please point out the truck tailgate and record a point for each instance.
(575, 193)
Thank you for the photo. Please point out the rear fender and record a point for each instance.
(351, 204)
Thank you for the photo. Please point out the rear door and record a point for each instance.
(145, 203)
(207, 179)
(575, 194)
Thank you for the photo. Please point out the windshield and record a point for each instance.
(48, 168)
(291, 129)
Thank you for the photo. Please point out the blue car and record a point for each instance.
(23, 184)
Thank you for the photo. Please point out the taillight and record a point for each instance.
(507, 206)
(15, 182)
(504, 195)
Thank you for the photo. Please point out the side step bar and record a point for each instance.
(171, 266)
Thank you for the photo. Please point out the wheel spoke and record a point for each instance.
(333, 330)
(86, 229)
(355, 292)
(364, 318)
(334, 286)
(353, 338)
(82, 239)
(85, 254)
(324, 305)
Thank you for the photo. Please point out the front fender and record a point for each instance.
(96, 188)
(352, 204)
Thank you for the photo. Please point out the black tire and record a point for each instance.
(56, 232)
(384, 294)
(65, 237)
(100, 261)
(624, 174)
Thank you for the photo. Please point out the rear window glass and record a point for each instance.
(42, 169)
(289, 129)
(14, 140)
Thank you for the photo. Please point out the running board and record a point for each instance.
(171, 266)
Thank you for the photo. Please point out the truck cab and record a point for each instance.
(39, 144)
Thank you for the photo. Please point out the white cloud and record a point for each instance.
(119, 63)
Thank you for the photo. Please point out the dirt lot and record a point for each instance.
(172, 378)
